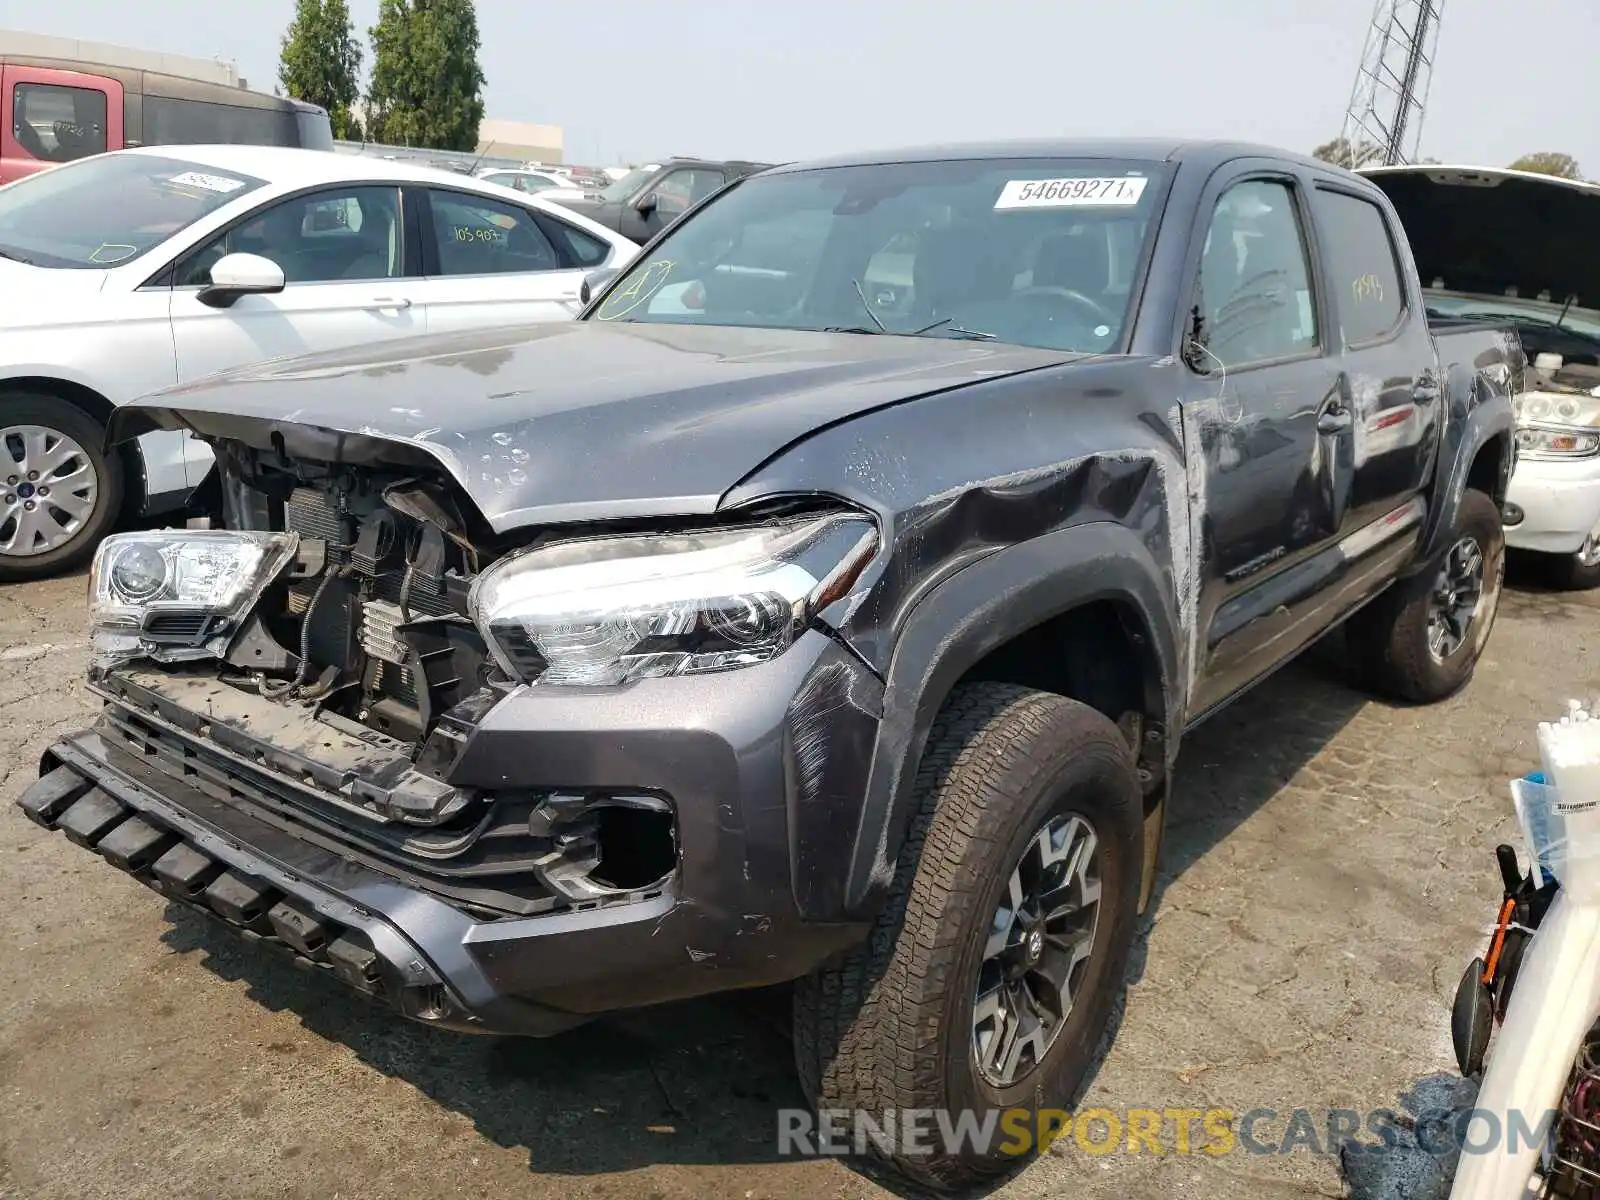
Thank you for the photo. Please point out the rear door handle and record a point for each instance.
(1333, 420)
(398, 302)
(1426, 391)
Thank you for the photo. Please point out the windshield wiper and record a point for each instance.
(861, 293)
(1520, 319)
(4, 253)
(955, 331)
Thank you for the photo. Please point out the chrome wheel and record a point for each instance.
(1457, 598)
(48, 489)
(1038, 950)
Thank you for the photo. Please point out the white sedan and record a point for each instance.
(128, 272)
(535, 183)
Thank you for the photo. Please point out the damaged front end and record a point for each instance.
(313, 676)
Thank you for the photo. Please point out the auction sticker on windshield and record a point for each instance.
(209, 183)
(1071, 193)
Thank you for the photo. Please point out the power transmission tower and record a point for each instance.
(1391, 91)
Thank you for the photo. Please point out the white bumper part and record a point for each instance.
(1560, 502)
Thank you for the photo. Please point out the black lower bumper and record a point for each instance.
(722, 925)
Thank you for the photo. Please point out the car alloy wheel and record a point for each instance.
(1457, 598)
(48, 489)
(1037, 951)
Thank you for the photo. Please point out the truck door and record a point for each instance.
(1390, 364)
(668, 198)
(1264, 380)
(50, 116)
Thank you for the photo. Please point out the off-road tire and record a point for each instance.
(1388, 640)
(38, 408)
(888, 1025)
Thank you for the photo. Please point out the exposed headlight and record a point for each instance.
(1557, 408)
(611, 610)
(178, 594)
(1535, 441)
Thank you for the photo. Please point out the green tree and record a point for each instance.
(1341, 152)
(427, 86)
(320, 62)
(1547, 162)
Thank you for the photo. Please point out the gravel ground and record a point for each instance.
(1329, 873)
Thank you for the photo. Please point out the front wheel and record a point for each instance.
(1420, 641)
(989, 977)
(59, 491)
(1579, 571)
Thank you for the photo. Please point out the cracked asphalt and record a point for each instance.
(1329, 874)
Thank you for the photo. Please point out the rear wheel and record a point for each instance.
(1420, 641)
(59, 492)
(990, 975)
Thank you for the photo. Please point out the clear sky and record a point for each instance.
(769, 79)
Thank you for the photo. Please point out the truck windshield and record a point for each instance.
(108, 210)
(1038, 252)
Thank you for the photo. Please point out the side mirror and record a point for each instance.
(236, 275)
(645, 205)
(595, 282)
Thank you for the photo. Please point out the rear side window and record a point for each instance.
(58, 124)
(582, 248)
(479, 236)
(1363, 265)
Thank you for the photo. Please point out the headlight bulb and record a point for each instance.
(139, 573)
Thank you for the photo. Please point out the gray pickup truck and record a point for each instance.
(761, 627)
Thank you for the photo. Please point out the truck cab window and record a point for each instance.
(58, 124)
(1255, 296)
(678, 190)
(1370, 296)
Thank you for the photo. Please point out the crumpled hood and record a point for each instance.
(1483, 230)
(575, 421)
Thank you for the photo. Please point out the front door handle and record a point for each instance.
(1333, 420)
(399, 302)
(1426, 391)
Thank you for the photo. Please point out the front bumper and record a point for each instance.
(1559, 502)
(738, 755)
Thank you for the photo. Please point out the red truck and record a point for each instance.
(54, 110)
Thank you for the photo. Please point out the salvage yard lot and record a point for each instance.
(1328, 874)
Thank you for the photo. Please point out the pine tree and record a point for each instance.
(320, 62)
(427, 86)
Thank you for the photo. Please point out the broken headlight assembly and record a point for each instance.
(611, 610)
(178, 594)
(1556, 425)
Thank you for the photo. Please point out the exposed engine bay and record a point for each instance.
(339, 696)
(367, 625)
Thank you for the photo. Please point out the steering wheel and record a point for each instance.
(1097, 313)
